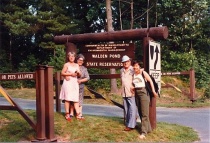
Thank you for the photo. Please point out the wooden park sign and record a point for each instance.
(147, 34)
(107, 55)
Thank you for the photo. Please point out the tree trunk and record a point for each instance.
(131, 14)
(120, 11)
(114, 88)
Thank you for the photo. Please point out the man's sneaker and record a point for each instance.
(142, 136)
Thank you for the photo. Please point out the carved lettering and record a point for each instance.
(104, 64)
(108, 47)
(11, 77)
(108, 64)
(25, 76)
(172, 73)
(17, 76)
(114, 55)
(99, 56)
(4, 77)
(92, 64)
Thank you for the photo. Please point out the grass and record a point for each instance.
(25, 93)
(13, 128)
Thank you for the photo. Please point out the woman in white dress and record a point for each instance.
(70, 87)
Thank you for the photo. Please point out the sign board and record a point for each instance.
(155, 61)
(17, 76)
(106, 55)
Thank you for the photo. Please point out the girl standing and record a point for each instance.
(142, 97)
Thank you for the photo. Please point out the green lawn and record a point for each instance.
(13, 128)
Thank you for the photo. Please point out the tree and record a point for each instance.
(30, 27)
(114, 88)
(27, 28)
(188, 37)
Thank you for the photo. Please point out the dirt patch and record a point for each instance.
(4, 122)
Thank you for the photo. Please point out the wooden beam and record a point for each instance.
(133, 34)
(104, 76)
(7, 107)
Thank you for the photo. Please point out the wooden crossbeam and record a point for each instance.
(7, 107)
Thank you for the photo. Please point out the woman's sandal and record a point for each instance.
(79, 117)
(67, 116)
(71, 116)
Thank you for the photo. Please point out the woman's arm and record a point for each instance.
(78, 72)
(64, 71)
(147, 77)
(86, 76)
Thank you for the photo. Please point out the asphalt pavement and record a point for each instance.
(196, 118)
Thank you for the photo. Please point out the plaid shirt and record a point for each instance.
(126, 79)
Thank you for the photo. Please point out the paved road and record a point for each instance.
(197, 118)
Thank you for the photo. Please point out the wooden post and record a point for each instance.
(57, 91)
(49, 103)
(192, 85)
(152, 107)
(40, 103)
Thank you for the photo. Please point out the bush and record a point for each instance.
(207, 93)
(58, 59)
(11, 84)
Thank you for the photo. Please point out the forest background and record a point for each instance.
(27, 28)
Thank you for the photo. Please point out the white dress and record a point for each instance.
(70, 88)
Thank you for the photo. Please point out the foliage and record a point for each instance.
(58, 59)
(184, 19)
(202, 70)
(4, 62)
(207, 93)
(188, 38)
(98, 83)
(27, 66)
(28, 27)
(176, 61)
(11, 84)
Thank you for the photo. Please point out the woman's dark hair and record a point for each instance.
(137, 62)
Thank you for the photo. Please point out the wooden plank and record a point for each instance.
(104, 76)
(175, 73)
(7, 107)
